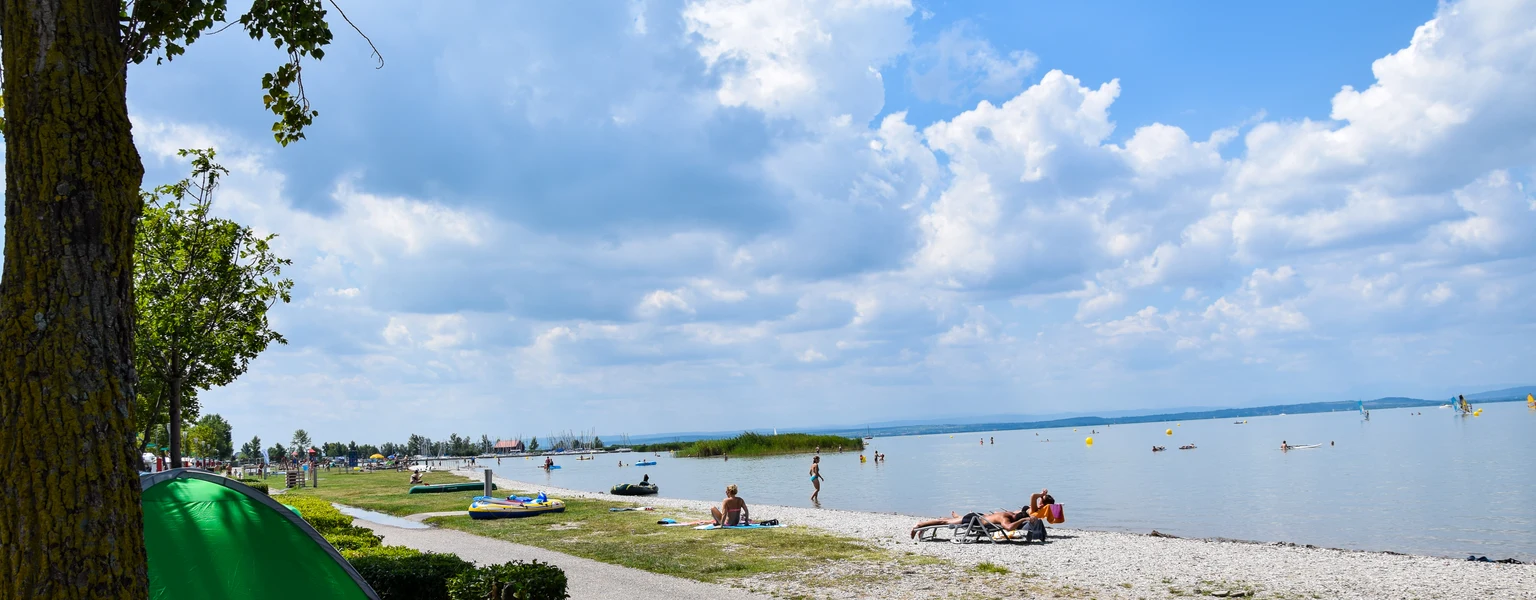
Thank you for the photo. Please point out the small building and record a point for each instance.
(508, 446)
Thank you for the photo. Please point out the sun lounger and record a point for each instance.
(971, 530)
(982, 530)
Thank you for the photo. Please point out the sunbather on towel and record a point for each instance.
(733, 511)
(1008, 520)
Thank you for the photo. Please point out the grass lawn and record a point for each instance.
(588, 529)
(385, 491)
(633, 539)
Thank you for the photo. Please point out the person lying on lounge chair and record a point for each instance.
(733, 510)
(1008, 520)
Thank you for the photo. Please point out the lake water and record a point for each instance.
(1431, 483)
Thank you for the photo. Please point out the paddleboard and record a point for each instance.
(1308, 446)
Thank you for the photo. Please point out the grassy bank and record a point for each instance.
(631, 539)
(756, 444)
(385, 492)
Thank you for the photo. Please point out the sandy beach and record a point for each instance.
(1096, 564)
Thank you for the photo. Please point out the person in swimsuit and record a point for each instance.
(1040, 504)
(733, 511)
(415, 477)
(1008, 520)
(816, 478)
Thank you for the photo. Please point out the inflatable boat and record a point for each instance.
(448, 487)
(497, 508)
(634, 489)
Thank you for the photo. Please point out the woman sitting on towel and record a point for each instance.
(733, 511)
(415, 477)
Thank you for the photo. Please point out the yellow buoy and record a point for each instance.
(1477, 413)
(1169, 432)
(1074, 429)
(1089, 441)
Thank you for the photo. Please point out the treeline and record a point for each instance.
(416, 445)
(757, 444)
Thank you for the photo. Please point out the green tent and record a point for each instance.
(209, 536)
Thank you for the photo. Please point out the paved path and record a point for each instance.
(587, 579)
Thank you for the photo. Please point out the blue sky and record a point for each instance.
(655, 216)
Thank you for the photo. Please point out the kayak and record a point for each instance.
(491, 508)
(448, 487)
(1307, 446)
(646, 463)
(634, 489)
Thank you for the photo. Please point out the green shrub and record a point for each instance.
(353, 542)
(398, 575)
(319, 513)
(258, 484)
(384, 551)
(515, 580)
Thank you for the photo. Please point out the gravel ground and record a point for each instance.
(585, 579)
(1097, 564)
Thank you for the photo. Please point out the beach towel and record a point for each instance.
(1058, 514)
(712, 527)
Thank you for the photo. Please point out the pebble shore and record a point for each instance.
(1076, 563)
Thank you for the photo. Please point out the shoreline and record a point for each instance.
(1111, 564)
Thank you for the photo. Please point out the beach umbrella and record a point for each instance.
(377, 456)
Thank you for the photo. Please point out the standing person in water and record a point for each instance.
(816, 478)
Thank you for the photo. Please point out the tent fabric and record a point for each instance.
(208, 536)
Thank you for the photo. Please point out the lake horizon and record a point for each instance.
(1413, 480)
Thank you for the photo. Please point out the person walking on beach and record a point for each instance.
(816, 478)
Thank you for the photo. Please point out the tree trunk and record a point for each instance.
(70, 521)
(175, 422)
(147, 428)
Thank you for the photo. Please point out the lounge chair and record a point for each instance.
(975, 530)
(982, 530)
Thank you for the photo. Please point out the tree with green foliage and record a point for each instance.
(597, 442)
(417, 445)
(533, 446)
(277, 453)
(203, 286)
(300, 443)
(211, 437)
(72, 177)
(252, 450)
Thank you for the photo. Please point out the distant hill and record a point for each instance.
(1514, 393)
(1004, 423)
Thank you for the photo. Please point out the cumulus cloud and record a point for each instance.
(659, 204)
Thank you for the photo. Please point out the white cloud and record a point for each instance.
(813, 59)
(661, 301)
(882, 253)
(959, 64)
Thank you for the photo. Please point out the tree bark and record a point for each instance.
(70, 521)
(175, 422)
